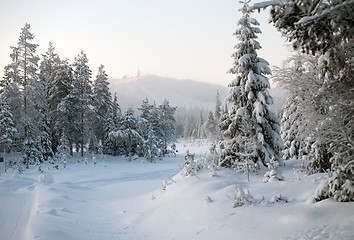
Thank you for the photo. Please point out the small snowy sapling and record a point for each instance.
(274, 173)
(241, 197)
(190, 166)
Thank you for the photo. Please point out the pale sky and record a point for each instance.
(184, 39)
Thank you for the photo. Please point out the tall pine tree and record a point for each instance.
(23, 71)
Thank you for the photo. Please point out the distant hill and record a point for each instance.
(180, 93)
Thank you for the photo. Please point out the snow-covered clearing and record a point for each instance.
(116, 199)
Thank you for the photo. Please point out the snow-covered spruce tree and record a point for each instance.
(146, 113)
(8, 130)
(340, 186)
(12, 97)
(63, 149)
(128, 135)
(45, 136)
(151, 151)
(251, 129)
(151, 131)
(47, 67)
(210, 127)
(59, 102)
(81, 102)
(218, 106)
(112, 145)
(201, 131)
(218, 111)
(290, 124)
(47, 75)
(102, 105)
(116, 111)
(167, 131)
(32, 152)
(42, 119)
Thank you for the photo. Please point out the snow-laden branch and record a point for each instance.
(326, 12)
(265, 4)
(349, 163)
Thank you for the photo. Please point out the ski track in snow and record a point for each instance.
(16, 199)
(78, 203)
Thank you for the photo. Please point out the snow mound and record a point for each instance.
(200, 205)
(46, 178)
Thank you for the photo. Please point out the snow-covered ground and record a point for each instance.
(116, 199)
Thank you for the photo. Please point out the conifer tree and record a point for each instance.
(8, 130)
(251, 129)
(102, 105)
(12, 98)
(47, 68)
(116, 111)
(58, 100)
(111, 145)
(210, 126)
(128, 135)
(166, 125)
(150, 130)
(145, 109)
(27, 79)
(200, 127)
(23, 71)
(218, 107)
(63, 148)
(81, 100)
(218, 112)
(146, 114)
(32, 151)
(151, 150)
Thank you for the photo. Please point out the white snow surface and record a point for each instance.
(116, 199)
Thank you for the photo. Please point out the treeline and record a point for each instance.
(50, 107)
(200, 123)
